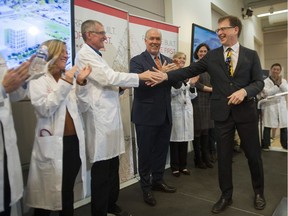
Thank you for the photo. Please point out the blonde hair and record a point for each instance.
(177, 54)
(55, 49)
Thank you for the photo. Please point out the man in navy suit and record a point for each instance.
(151, 114)
(233, 106)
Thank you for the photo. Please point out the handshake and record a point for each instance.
(157, 76)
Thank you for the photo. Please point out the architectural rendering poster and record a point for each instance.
(26, 24)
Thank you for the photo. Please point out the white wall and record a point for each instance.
(183, 13)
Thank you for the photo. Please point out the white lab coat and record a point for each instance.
(275, 109)
(10, 142)
(50, 100)
(103, 123)
(182, 114)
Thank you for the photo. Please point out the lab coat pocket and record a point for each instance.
(48, 148)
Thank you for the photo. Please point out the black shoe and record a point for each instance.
(163, 187)
(117, 211)
(201, 165)
(259, 202)
(208, 164)
(176, 173)
(221, 205)
(185, 171)
(149, 198)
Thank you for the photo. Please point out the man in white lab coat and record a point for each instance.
(11, 181)
(275, 109)
(104, 129)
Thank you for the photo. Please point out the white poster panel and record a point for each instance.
(115, 22)
(137, 29)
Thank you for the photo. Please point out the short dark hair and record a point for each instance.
(276, 64)
(234, 21)
(195, 55)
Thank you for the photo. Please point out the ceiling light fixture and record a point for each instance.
(272, 13)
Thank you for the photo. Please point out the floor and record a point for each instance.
(198, 192)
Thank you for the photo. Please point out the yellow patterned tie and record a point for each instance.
(158, 62)
(228, 61)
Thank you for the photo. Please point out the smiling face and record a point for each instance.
(275, 71)
(153, 41)
(180, 60)
(96, 36)
(61, 61)
(202, 52)
(227, 34)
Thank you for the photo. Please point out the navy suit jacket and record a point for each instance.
(247, 75)
(151, 105)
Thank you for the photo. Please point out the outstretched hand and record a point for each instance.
(160, 78)
(150, 76)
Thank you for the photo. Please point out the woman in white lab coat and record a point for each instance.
(11, 181)
(275, 109)
(59, 149)
(182, 118)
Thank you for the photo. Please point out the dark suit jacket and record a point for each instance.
(247, 75)
(151, 105)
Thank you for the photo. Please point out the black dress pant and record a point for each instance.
(153, 144)
(178, 155)
(267, 137)
(104, 186)
(71, 166)
(248, 133)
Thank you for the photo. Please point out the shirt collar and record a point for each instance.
(235, 47)
(97, 51)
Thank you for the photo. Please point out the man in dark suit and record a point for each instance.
(151, 114)
(235, 84)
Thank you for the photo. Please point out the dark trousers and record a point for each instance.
(71, 166)
(104, 186)
(248, 133)
(178, 155)
(153, 143)
(267, 137)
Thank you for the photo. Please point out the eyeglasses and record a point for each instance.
(223, 28)
(100, 33)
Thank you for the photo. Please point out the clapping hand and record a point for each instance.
(84, 73)
(14, 78)
(169, 67)
(69, 74)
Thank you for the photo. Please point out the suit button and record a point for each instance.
(231, 84)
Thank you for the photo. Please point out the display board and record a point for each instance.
(26, 24)
(116, 54)
(201, 34)
(137, 29)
